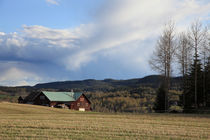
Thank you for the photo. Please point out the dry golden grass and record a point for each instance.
(18, 121)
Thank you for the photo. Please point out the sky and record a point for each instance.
(58, 40)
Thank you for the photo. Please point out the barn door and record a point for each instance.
(72, 106)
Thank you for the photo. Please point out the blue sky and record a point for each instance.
(55, 40)
(64, 14)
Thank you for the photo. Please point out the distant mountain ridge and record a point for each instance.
(136, 85)
(107, 84)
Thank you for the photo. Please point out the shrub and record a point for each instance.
(175, 109)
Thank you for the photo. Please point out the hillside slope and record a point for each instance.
(108, 84)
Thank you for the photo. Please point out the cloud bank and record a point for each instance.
(122, 33)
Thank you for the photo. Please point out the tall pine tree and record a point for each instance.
(207, 83)
(191, 101)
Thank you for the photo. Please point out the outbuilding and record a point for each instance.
(71, 100)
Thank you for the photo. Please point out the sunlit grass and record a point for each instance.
(36, 122)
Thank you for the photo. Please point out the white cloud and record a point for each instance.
(122, 30)
(53, 37)
(17, 77)
(2, 33)
(32, 41)
(54, 2)
(118, 23)
(123, 22)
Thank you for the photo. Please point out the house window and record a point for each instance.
(78, 104)
(86, 104)
(42, 97)
(81, 99)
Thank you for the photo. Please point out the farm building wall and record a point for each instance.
(81, 103)
(41, 99)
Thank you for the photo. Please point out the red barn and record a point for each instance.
(72, 100)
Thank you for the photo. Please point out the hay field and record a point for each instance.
(18, 121)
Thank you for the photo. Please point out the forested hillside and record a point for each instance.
(152, 81)
(109, 95)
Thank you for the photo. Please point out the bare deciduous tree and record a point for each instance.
(184, 53)
(184, 57)
(162, 57)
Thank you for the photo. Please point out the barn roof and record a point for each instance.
(31, 96)
(62, 96)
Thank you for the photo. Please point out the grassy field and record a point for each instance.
(18, 121)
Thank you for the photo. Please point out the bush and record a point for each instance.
(175, 109)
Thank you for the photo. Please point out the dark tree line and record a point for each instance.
(201, 97)
(190, 50)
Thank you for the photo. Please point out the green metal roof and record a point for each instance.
(62, 96)
(77, 95)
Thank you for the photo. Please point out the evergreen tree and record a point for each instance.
(192, 100)
(159, 105)
(207, 83)
(197, 38)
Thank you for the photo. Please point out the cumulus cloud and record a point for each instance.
(122, 23)
(123, 31)
(38, 43)
(14, 76)
(38, 46)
